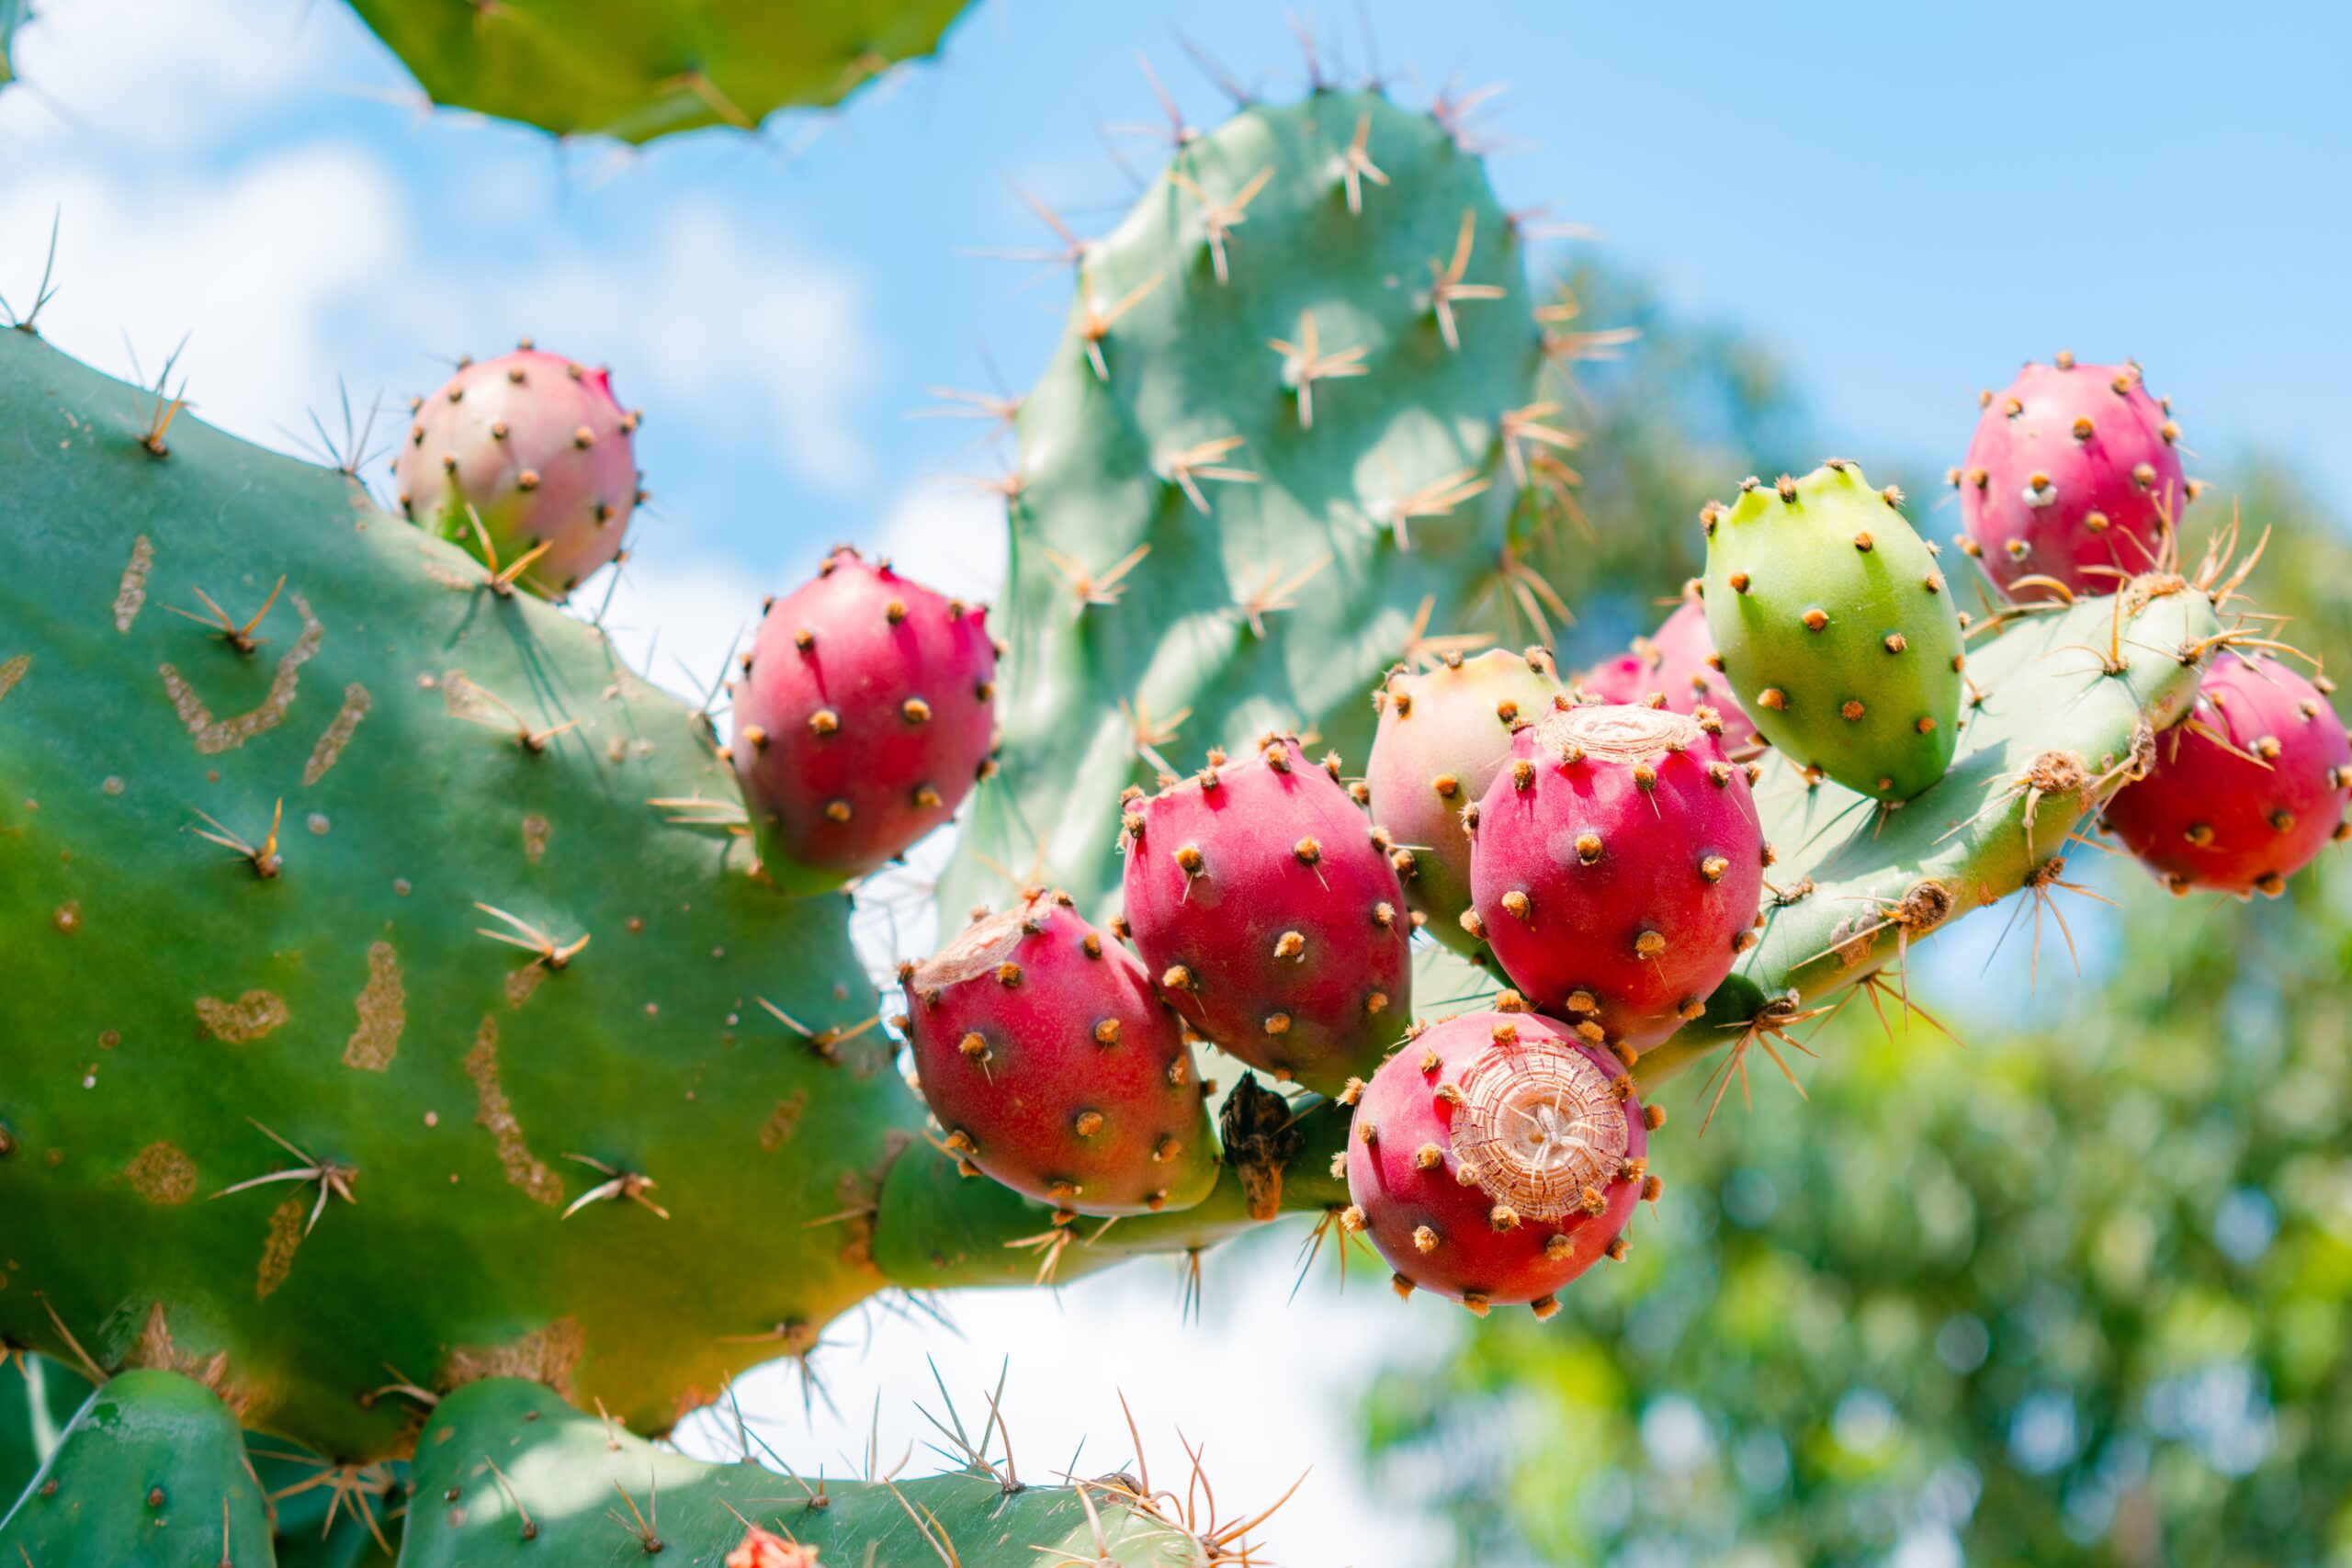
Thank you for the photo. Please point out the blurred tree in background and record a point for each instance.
(2074, 1293)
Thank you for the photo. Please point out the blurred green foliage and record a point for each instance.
(2075, 1292)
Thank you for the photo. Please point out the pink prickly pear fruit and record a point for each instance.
(1265, 903)
(1444, 735)
(2247, 791)
(1052, 1066)
(1616, 868)
(865, 713)
(532, 446)
(2074, 477)
(1496, 1157)
(1676, 668)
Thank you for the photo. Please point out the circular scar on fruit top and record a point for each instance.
(1539, 1127)
(1622, 734)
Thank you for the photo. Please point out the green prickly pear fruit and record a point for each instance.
(151, 1471)
(1444, 733)
(1836, 629)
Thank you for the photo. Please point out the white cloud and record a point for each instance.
(948, 537)
(761, 343)
(250, 269)
(154, 75)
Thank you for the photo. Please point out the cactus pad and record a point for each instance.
(635, 70)
(1272, 434)
(435, 1017)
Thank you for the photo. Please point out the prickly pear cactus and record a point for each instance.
(634, 71)
(1271, 436)
(357, 991)
(2063, 710)
(152, 1470)
(508, 1473)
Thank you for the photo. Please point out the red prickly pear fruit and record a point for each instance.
(1496, 1157)
(532, 445)
(1043, 1053)
(1444, 734)
(865, 713)
(2247, 791)
(1616, 868)
(1264, 903)
(2073, 476)
(1676, 668)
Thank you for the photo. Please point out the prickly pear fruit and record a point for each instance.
(1266, 905)
(1054, 1067)
(534, 446)
(866, 712)
(1615, 867)
(2074, 477)
(1676, 667)
(1836, 629)
(1444, 734)
(2246, 792)
(1495, 1158)
(765, 1548)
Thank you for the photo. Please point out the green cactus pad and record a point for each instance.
(2062, 704)
(151, 1471)
(38, 1397)
(506, 1474)
(13, 14)
(1836, 629)
(171, 1014)
(636, 71)
(1213, 536)
(938, 1230)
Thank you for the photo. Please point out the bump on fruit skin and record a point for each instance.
(504, 437)
(865, 716)
(1537, 1162)
(1675, 662)
(2072, 475)
(1837, 629)
(1593, 882)
(1444, 733)
(1012, 1057)
(2243, 813)
(1277, 847)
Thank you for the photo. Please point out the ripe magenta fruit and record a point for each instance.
(2247, 791)
(1495, 1158)
(2075, 476)
(1444, 735)
(1676, 667)
(1264, 902)
(865, 712)
(1041, 1047)
(534, 446)
(1616, 868)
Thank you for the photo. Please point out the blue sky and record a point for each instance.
(1903, 200)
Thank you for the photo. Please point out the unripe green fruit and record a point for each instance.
(1837, 629)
